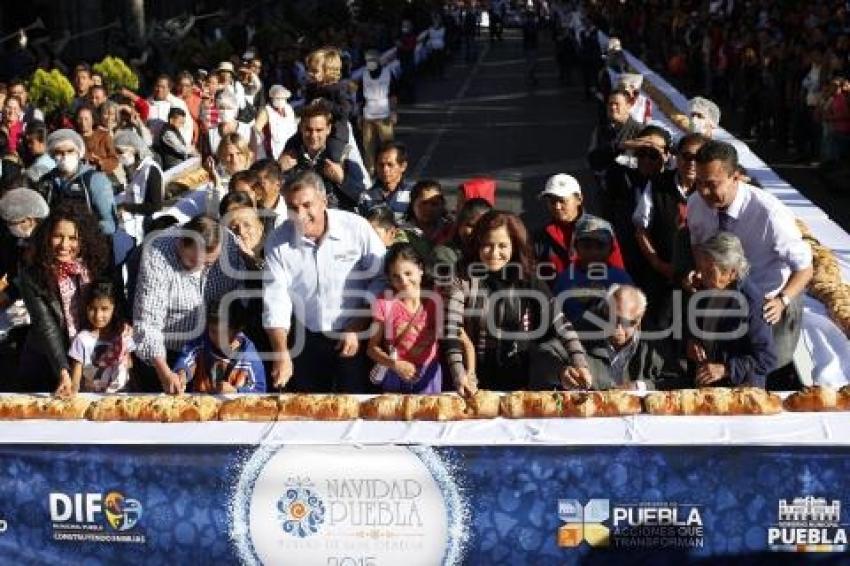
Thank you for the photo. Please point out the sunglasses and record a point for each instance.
(687, 156)
(649, 154)
(625, 322)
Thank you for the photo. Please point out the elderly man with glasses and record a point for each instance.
(617, 355)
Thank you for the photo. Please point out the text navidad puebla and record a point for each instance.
(373, 502)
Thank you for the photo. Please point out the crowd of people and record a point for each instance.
(311, 261)
(780, 70)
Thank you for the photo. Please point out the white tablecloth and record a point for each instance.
(787, 429)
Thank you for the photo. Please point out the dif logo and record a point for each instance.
(120, 512)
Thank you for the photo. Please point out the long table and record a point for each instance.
(637, 489)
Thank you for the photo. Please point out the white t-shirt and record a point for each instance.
(99, 374)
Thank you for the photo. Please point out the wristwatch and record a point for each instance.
(784, 298)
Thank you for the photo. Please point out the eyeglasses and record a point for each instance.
(649, 154)
(687, 156)
(626, 322)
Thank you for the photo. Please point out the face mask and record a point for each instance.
(278, 103)
(68, 163)
(228, 115)
(127, 159)
(19, 232)
(372, 65)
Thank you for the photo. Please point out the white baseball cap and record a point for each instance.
(561, 186)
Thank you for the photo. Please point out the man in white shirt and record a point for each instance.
(325, 266)
(160, 105)
(379, 107)
(780, 260)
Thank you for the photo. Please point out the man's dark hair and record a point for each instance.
(269, 169)
(620, 91)
(37, 130)
(715, 150)
(317, 108)
(381, 215)
(400, 150)
(207, 228)
(691, 139)
(653, 130)
(175, 112)
(237, 199)
(246, 176)
(99, 87)
(165, 77)
(81, 109)
(235, 318)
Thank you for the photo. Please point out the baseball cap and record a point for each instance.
(561, 186)
(589, 226)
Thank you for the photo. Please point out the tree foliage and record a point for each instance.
(116, 74)
(50, 91)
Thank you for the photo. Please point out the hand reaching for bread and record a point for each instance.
(576, 378)
(405, 370)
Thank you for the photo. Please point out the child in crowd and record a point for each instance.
(100, 354)
(382, 220)
(591, 275)
(324, 71)
(223, 359)
(403, 341)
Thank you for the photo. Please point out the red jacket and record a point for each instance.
(554, 245)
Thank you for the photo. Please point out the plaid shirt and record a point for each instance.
(169, 307)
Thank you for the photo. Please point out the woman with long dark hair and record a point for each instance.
(505, 309)
(70, 253)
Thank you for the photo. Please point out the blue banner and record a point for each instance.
(374, 505)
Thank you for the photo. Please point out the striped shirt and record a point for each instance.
(170, 302)
(398, 201)
(332, 280)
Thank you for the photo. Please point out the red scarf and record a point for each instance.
(71, 277)
(118, 348)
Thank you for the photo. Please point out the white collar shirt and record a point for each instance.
(767, 230)
(328, 283)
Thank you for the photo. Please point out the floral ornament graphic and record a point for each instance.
(302, 512)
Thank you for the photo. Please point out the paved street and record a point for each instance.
(484, 119)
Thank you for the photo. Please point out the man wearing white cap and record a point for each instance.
(379, 107)
(276, 122)
(554, 245)
(74, 179)
(704, 116)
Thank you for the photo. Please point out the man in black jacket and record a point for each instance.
(344, 181)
